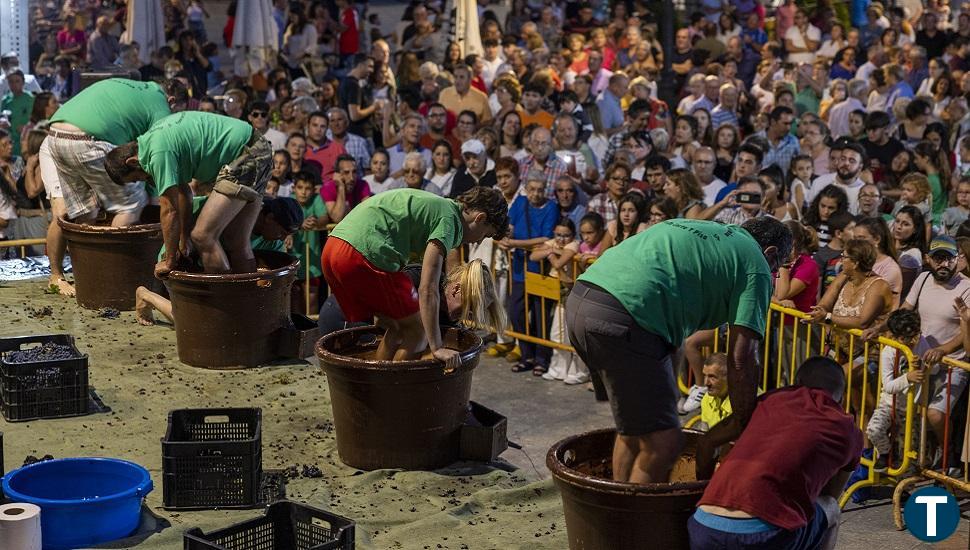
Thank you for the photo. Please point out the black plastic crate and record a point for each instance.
(212, 458)
(42, 389)
(287, 525)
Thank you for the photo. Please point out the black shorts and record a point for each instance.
(633, 363)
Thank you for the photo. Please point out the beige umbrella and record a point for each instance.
(466, 28)
(254, 38)
(144, 24)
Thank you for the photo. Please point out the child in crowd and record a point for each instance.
(559, 252)
(380, 179)
(933, 162)
(802, 168)
(592, 234)
(272, 187)
(716, 404)
(829, 201)
(662, 210)
(915, 192)
(281, 171)
(569, 103)
(829, 257)
(904, 327)
(306, 244)
(629, 220)
(957, 214)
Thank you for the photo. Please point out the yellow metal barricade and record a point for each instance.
(22, 244)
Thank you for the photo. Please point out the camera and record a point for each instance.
(748, 198)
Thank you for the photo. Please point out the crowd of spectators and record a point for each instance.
(846, 120)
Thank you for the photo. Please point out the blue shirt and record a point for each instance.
(611, 113)
(758, 36)
(529, 222)
(782, 153)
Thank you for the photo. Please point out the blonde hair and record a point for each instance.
(921, 183)
(480, 306)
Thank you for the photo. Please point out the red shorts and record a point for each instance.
(363, 290)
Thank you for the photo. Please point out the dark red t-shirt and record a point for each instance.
(797, 440)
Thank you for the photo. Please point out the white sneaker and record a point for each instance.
(693, 400)
(577, 378)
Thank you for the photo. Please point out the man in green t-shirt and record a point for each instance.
(642, 298)
(211, 149)
(20, 103)
(278, 219)
(365, 255)
(82, 131)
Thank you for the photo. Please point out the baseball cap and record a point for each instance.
(286, 212)
(943, 244)
(9, 55)
(474, 147)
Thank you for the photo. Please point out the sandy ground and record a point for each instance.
(509, 504)
(136, 372)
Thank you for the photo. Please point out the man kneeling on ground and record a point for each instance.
(778, 487)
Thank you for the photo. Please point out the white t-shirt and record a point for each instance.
(851, 190)
(793, 34)
(379, 187)
(939, 321)
(712, 189)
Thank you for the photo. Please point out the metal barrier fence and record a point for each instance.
(22, 244)
(790, 337)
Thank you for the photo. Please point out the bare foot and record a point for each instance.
(63, 287)
(143, 310)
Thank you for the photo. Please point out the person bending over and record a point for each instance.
(208, 148)
(278, 219)
(638, 302)
(365, 254)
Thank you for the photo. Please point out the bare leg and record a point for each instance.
(127, 218)
(218, 212)
(413, 342)
(390, 341)
(146, 301)
(693, 348)
(647, 458)
(237, 239)
(56, 245)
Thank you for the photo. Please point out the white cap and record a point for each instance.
(474, 147)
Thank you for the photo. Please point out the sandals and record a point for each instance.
(521, 366)
(529, 365)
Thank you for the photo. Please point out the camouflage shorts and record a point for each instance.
(245, 178)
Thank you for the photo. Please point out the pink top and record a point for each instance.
(587, 249)
(69, 39)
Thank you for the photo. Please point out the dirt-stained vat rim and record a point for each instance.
(471, 349)
(289, 265)
(88, 229)
(557, 465)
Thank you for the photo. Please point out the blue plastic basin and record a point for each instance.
(83, 501)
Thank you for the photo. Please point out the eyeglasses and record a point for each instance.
(943, 259)
(412, 171)
(258, 114)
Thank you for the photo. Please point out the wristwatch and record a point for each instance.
(828, 316)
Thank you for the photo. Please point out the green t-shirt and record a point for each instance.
(681, 276)
(317, 209)
(391, 226)
(190, 145)
(20, 108)
(940, 198)
(115, 110)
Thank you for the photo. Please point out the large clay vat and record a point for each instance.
(602, 514)
(400, 414)
(111, 262)
(234, 320)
